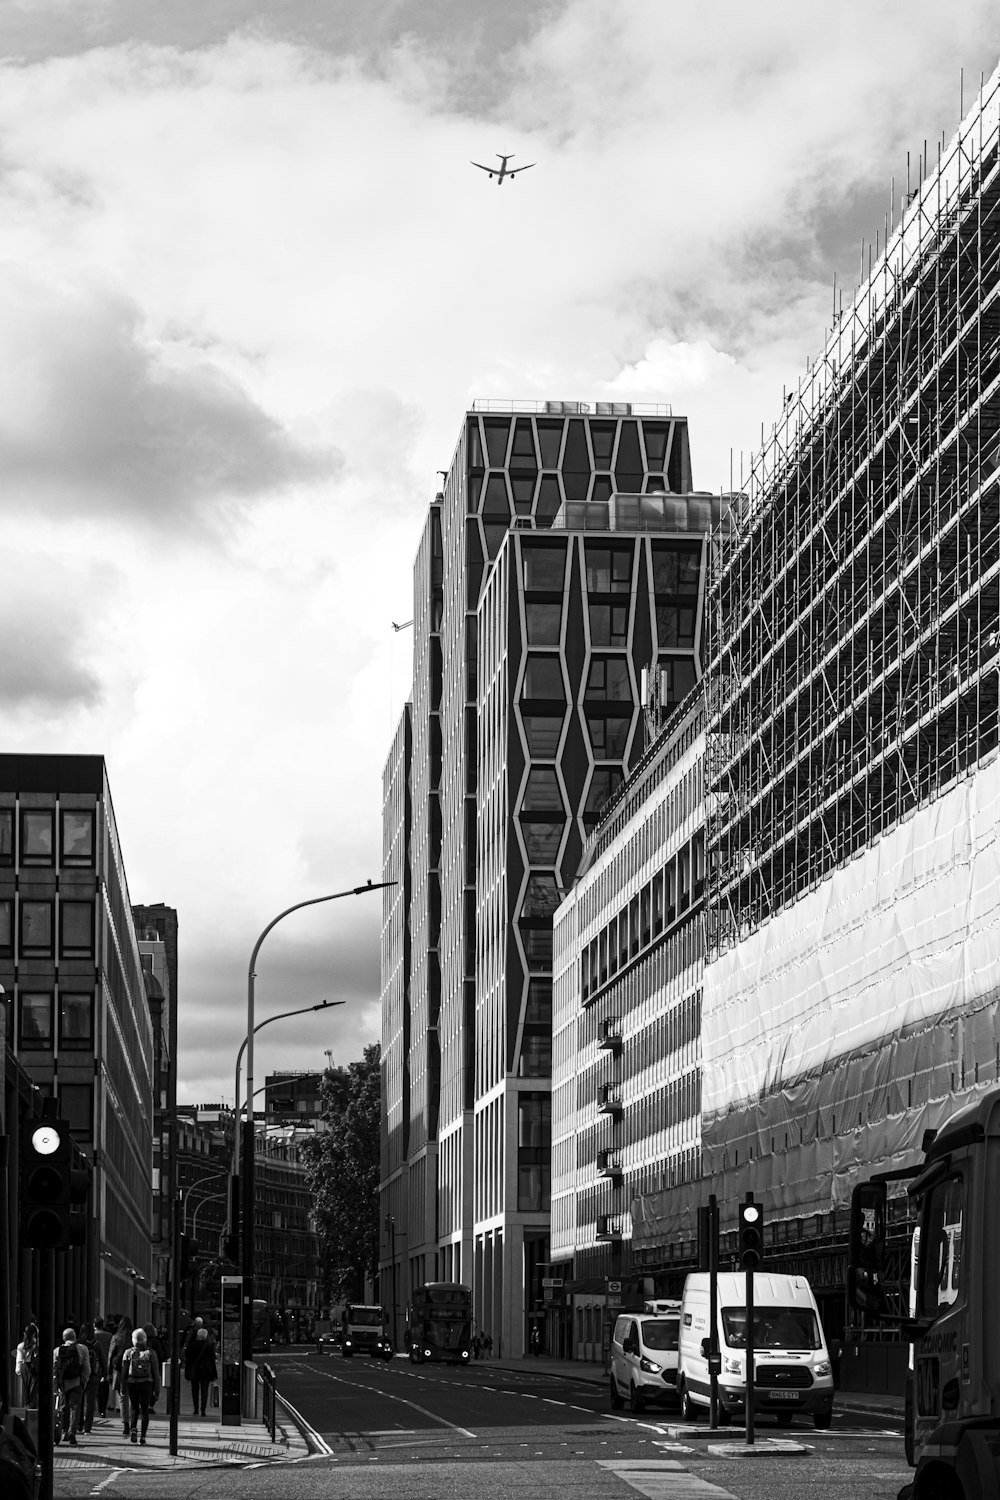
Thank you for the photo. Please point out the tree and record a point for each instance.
(342, 1162)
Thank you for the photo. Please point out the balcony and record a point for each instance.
(609, 1227)
(609, 1038)
(609, 1100)
(609, 1165)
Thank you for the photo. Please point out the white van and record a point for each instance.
(791, 1361)
(644, 1357)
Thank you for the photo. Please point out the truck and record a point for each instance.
(953, 1318)
(361, 1327)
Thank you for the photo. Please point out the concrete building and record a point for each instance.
(156, 933)
(540, 597)
(628, 970)
(77, 1014)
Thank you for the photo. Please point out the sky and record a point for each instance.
(250, 283)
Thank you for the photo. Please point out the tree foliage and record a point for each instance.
(342, 1161)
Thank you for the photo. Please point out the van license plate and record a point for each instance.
(783, 1395)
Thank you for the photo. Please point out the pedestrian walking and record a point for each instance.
(98, 1373)
(141, 1372)
(70, 1374)
(120, 1345)
(535, 1340)
(200, 1369)
(26, 1364)
(102, 1338)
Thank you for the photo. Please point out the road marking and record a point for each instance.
(322, 1445)
(104, 1482)
(664, 1479)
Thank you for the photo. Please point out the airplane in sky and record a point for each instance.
(503, 171)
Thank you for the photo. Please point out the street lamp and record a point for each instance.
(246, 1185)
(237, 1106)
(390, 1224)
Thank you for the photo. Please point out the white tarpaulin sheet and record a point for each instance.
(905, 934)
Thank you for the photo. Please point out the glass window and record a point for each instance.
(542, 732)
(77, 838)
(524, 489)
(537, 947)
(676, 570)
(539, 1007)
(76, 1106)
(608, 678)
(549, 441)
(656, 445)
(541, 842)
(604, 784)
(36, 928)
(679, 679)
(603, 437)
(533, 1187)
(543, 567)
(36, 837)
(773, 1328)
(674, 625)
(541, 897)
(534, 1120)
(608, 737)
(536, 1056)
(609, 625)
(6, 836)
(542, 791)
(663, 1334)
(76, 1020)
(941, 1247)
(543, 678)
(609, 570)
(6, 927)
(542, 622)
(76, 920)
(35, 1027)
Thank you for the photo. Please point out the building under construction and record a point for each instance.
(853, 783)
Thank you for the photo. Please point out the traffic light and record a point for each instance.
(79, 1196)
(231, 1248)
(46, 1158)
(751, 1235)
(188, 1251)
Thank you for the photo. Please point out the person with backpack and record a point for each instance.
(141, 1373)
(70, 1375)
(98, 1373)
(201, 1369)
(26, 1364)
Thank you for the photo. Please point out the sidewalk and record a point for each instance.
(876, 1404)
(201, 1442)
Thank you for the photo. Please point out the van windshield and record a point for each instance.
(663, 1334)
(773, 1328)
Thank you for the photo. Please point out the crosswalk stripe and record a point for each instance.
(664, 1479)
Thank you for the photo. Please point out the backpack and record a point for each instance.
(70, 1364)
(140, 1366)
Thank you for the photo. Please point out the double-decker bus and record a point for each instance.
(439, 1323)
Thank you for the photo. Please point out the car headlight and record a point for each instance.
(821, 1367)
(649, 1367)
(731, 1365)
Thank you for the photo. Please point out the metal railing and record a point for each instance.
(269, 1398)
(506, 407)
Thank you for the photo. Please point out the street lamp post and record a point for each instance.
(390, 1224)
(247, 1183)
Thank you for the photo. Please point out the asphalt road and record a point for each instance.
(402, 1432)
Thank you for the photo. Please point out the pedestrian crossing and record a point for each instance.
(669, 1479)
(663, 1479)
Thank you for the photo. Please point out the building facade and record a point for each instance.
(78, 1020)
(628, 972)
(156, 933)
(852, 980)
(524, 720)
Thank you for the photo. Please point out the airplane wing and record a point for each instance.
(513, 171)
(492, 170)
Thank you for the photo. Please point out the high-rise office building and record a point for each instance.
(77, 1012)
(562, 559)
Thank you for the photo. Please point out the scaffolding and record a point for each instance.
(853, 614)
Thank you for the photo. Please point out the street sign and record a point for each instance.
(614, 1299)
(552, 1281)
(614, 1286)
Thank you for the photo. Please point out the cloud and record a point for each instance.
(96, 419)
(46, 623)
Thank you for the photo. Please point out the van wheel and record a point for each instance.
(616, 1396)
(783, 1418)
(823, 1419)
(636, 1404)
(688, 1410)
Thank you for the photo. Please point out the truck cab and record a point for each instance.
(955, 1302)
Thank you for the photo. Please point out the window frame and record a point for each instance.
(76, 861)
(37, 861)
(26, 1044)
(26, 950)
